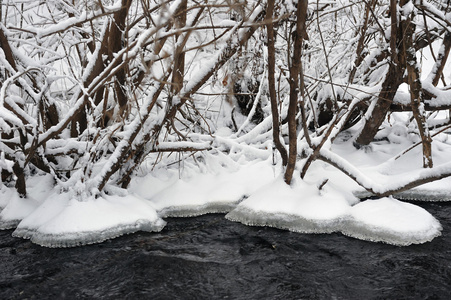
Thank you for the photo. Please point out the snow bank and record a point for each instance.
(13, 208)
(303, 208)
(300, 208)
(193, 197)
(203, 193)
(58, 220)
(391, 221)
(65, 222)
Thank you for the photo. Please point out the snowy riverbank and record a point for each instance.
(250, 191)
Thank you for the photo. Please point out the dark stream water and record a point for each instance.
(209, 257)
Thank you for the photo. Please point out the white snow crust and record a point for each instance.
(13, 208)
(300, 208)
(391, 221)
(62, 221)
(203, 193)
(250, 191)
(303, 208)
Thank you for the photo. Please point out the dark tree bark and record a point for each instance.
(20, 186)
(361, 43)
(392, 81)
(79, 121)
(17, 169)
(115, 44)
(389, 87)
(413, 79)
(295, 70)
(4, 45)
(179, 55)
(442, 58)
(272, 84)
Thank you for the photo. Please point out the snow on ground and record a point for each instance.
(54, 219)
(62, 221)
(252, 191)
(204, 193)
(391, 221)
(301, 207)
(14, 208)
(378, 163)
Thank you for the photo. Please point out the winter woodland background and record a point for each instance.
(117, 113)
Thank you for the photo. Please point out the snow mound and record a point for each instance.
(64, 222)
(391, 221)
(204, 193)
(201, 195)
(299, 208)
(303, 208)
(398, 133)
(16, 209)
(5, 195)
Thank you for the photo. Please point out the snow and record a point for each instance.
(13, 208)
(62, 221)
(240, 174)
(204, 193)
(251, 191)
(54, 219)
(302, 208)
(391, 221)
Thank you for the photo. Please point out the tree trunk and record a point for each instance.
(442, 58)
(179, 55)
(392, 81)
(4, 45)
(115, 44)
(389, 87)
(20, 186)
(413, 79)
(295, 69)
(361, 43)
(272, 84)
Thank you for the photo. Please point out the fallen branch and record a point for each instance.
(393, 185)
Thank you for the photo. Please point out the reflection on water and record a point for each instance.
(209, 257)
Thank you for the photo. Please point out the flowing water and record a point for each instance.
(209, 257)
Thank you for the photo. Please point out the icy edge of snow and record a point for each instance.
(416, 194)
(62, 221)
(289, 222)
(374, 234)
(347, 226)
(424, 195)
(65, 240)
(384, 220)
(197, 210)
(9, 224)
